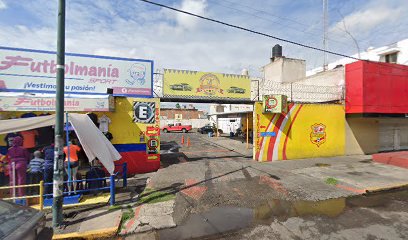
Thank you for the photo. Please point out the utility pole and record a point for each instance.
(325, 31)
(57, 217)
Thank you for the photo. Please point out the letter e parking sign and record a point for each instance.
(143, 112)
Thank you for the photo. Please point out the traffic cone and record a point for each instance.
(182, 139)
(188, 142)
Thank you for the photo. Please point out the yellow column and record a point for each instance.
(41, 195)
(247, 130)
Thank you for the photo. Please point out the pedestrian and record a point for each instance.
(72, 160)
(9, 138)
(19, 157)
(29, 139)
(35, 169)
(48, 169)
(3, 165)
(232, 129)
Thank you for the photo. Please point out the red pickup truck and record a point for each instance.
(177, 127)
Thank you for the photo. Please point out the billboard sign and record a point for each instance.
(24, 103)
(205, 85)
(275, 104)
(35, 71)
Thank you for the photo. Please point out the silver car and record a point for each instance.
(20, 222)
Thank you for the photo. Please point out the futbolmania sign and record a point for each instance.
(35, 71)
(205, 85)
(24, 103)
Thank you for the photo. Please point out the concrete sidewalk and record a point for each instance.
(97, 221)
(399, 159)
(92, 222)
(358, 173)
(236, 144)
(241, 183)
(180, 192)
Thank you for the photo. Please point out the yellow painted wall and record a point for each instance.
(295, 138)
(123, 129)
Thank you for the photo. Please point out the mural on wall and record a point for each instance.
(306, 130)
(318, 134)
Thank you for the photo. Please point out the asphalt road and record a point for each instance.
(232, 202)
(200, 147)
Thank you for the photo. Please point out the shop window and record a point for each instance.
(391, 58)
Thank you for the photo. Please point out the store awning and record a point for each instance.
(94, 143)
(21, 101)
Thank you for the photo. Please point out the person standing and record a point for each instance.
(29, 139)
(3, 165)
(48, 168)
(10, 137)
(19, 157)
(72, 160)
(36, 168)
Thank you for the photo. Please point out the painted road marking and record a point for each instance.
(350, 189)
(274, 184)
(192, 190)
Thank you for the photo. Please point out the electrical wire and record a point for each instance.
(249, 30)
(269, 35)
(311, 33)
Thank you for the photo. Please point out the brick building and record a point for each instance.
(181, 113)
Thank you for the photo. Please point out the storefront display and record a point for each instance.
(120, 116)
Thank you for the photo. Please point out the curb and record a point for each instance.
(388, 188)
(92, 234)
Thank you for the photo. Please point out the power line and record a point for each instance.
(270, 36)
(249, 30)
(311, 33)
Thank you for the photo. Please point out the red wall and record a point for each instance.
(373, 87)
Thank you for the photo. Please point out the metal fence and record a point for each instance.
(117, 175)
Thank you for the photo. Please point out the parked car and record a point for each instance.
(236, 90)
(177, 128)
(181, 87)
(208, 128)
(20, 222)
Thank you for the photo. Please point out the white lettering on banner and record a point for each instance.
(48, 104)
(142, 112)
(32, 70)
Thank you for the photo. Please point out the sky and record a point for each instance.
(131, 28)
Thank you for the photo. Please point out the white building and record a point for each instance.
(394, 53)
(287, 76)
(229, 108)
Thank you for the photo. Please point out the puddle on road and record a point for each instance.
(322, 165)
(215, 221)
(221, 220)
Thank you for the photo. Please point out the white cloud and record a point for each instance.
(3, 5)
(365, 20)
(137, 30)
(194, 6)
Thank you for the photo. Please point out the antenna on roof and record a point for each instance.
(325, 26)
